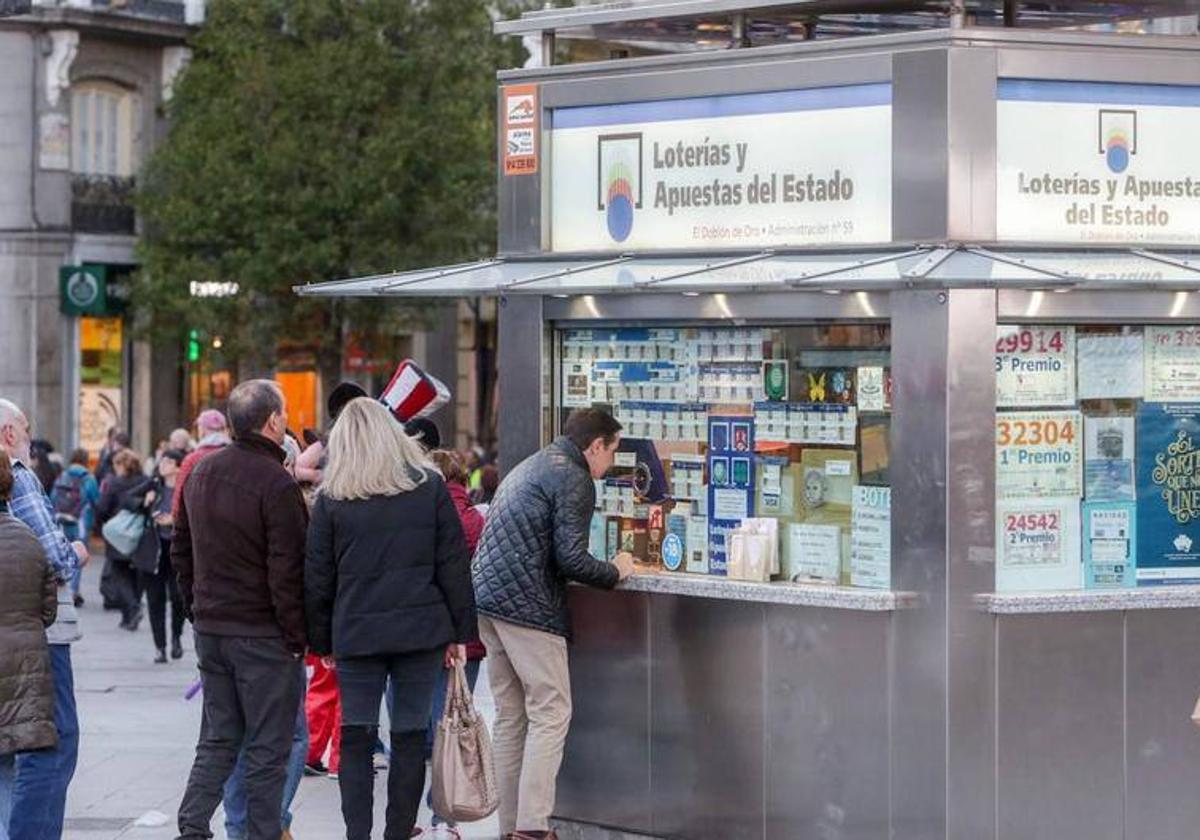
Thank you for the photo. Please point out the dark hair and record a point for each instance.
(586, 424)
(6, 477)
(251, 405)
(80, 456)
(342, 394)
(489, 480)
(175, 455)
(121, 439)
(127, 461)
(425, 431)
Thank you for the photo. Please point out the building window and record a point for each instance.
(105, 128)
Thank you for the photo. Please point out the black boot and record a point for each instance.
(160, 658)
(176, 648)
(356, 780)
(406, 783)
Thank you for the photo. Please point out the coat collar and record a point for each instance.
(255, 442)
(567, 446)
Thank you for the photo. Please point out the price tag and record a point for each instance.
(1035, 366)
(1039, 454)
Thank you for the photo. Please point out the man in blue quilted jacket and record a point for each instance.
(535, 541)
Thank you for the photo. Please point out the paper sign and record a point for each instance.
(521, 117)
(1037, 545)
(1109, 545)
(1110, 366)
(870, 389)
(871, 537)
(731, 503)
(697, 545)
(625, 459)
(815, 552)
(1168, 491)
(1108, 458)
(1172, 364)
(1035, 366)
(576, 384)
(1039, 454)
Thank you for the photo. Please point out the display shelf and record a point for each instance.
(1094, 600)
(797, 594)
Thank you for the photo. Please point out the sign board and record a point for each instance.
(1168, 507)
(1097, 162)
(797, 167)
(1035, 366)
(83, 290)
(1039, 455)
(520, 125)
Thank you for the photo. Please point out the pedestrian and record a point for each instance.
(454, 472)
(425, 432)
(44, 463)
(74, 498)
(35, 794)
(323, 705)
(535, 540)
(213, 431)
(388, 595)
(119, 582)
(28, 605)
(238, 551)
(115, 442)
(489, 482)
(155, 496)
(181, 440)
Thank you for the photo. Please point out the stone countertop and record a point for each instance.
(1091, 600)
(797, 594)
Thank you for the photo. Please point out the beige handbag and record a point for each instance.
(464, 778)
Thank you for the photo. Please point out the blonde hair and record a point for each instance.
(370, 455)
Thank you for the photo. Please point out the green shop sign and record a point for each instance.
(90, 289)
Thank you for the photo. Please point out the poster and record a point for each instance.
(870, 389)
(1168, 492)
(697, 545)
(1035, 366)
(1109, 545)
(775, 379)
(1172, 364)
(815, 552)
(1039, 454)
(731, 473)
(1108, 452)
(576, 384)
(1110, 366)
(871, 537)
(675, 543)
(521, 116)
(1037, 545)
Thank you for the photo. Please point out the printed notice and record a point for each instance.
(816, 552)
(1172, 364)
(1110, 366)
(1035, 366)
(1168, 484)
(1037, 545)
(871, 537)
(1039, 454)
(521, 117)
(1109, 545)
(1108, 458)
(870, 389)
(576, 384)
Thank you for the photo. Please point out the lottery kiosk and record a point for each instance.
(903, 334)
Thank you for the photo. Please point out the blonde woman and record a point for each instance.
(388, 595)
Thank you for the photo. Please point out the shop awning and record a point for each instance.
(761, 271)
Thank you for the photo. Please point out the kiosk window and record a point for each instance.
(1097, 456)
(758, 453)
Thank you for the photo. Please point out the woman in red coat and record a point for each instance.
(453, 468)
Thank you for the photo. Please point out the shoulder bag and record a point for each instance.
(464, 778)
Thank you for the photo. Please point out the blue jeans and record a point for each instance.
(235, 787)
(33, 785)
(439, 702)
(71, 531)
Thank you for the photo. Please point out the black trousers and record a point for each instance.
(252, 688)
(361, 681)
(162, 587)
(123, 586)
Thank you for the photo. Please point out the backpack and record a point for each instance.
(68, 496)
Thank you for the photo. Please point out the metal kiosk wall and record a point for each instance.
(936, 206)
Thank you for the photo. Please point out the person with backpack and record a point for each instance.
(74, 496)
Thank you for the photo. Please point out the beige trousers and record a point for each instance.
(532, 689)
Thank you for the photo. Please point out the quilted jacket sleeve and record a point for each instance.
(320, 579)
(454, 568)
(572, 511)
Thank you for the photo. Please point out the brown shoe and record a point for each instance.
(287, 834)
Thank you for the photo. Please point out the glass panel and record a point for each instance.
(777, 271)
(621, 276)
(1097, 429)
(759, 453)
(1111, 265)
(967, 266)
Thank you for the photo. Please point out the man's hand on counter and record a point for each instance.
(624, 563)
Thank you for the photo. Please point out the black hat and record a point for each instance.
(341, 395)
(425, 431)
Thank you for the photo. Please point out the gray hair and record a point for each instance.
(251, 405)
(9, 411)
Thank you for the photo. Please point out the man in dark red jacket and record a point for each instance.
(239, 554)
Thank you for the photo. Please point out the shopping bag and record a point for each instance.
(145, 556)
(124, 531)
(464, 778)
